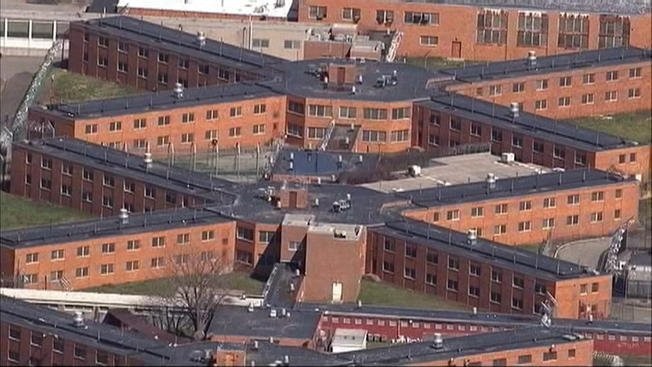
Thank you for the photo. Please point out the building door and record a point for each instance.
(456, 50)
(337, 292)
(293, 199)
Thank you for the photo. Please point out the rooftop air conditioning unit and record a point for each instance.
(414, 170)
(507, 157)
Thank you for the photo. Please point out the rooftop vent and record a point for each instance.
(514, 110)
(291, 156)
(438, 343)
(250, 308)
(78, 320)
(178, 91)
(148, 160)
(255, 346)
(201, 39)
(353, 91)
(491, 181)
(124, 216)
(472, 237)
(272, 313)
(414, 171)
(315, 203)
(359, 79)
(531, 59)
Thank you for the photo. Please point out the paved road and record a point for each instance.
(16, 73)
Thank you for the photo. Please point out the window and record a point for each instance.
(388, 267)
(435, 119)
(158, 241)
(374, 136)
(580, 158)
(260, 109)
(614, 31)
(115, 126)
(107, 201)
(410, 251)
(496, 276)
(453, 263)
(164, 58)
(291, 44)
(573, 199)
(571, 353)
(518, 87)
(163, 140)
(389, 245)
(188, 117)
(102, 61)
(187, 138)
(428, 40)
(320, 110)
(36, 339)
(57, 254)
(102, 357)
(635, 73)
(83, 251)
(559, 152)
(234, 131)
(617, 214)
(549, 356)
(477, 212)
(163, 120)
(495, 297)
(294, 130)
(474, 291)
(492, 27)
(573, 31)
(317, 12)
(106, 269)
(384, 16)
(133, 245)
(565, 81)
(524, 226)
(347, 112)
(31, 258)
(433, 139)
(496, 135)
(618, 193)
(548, 223)
(474, 269)
(266, 237)
(518, 282)
(525, 205)
(80, 351)
(588, 78)
(316, 132)
(634, 93)
(431, 279)
(517, 303)
(203, 69)
(452, 285)
(410, 273)
(476, 129)
(532, 29)
(597, 196)
(132, 265)
(260, 43)
(501, 209)
(588, 98)
(14, 332)
(453, 214)
(495, 90)
(401, 113)
(157, 262)
(421, 18)
(210, 135)
(46, 184)
(399, 135)
(66, 190)
(517, 141)
(595, 287)
(541, 84)
(90, 129)
(499, 362)
(351, 14)
(246, 234)
(537, 146)
(183, 238)
(30, 278)
(142, 72)
(207, 235)
(163, 77)
(431, 257)
(122, 67)
(564, 101)
(596, 217)
(150, 192)
(108, 248)
(540, 288)
(375, 113)
(612, 75)
(541, 104)
(572, 220)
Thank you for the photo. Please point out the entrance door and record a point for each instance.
(456, 50)
(293, 199)
(337, 292)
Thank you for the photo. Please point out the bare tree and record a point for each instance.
(199, 291)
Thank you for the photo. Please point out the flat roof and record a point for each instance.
(213, 190)
(270, 8)
(317, 163)
(483, 251)
(98, 335)
(528, 124)
(520, 338)
(458, 169)
(158, 220)
(580, 6)
(511, 187)
(185, 44)
(299, 78)
(549, 64)
(162, 100)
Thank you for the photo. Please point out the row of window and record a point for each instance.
(347, 112)
(37, 339)
(382, 16)
(564, 81)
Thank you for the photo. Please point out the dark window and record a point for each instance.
(499, 362)
(58, 345)
(453, 263)
(549, 356)
(37, 338)
(452, 284)
(492, 27)
(526, 358)
(431, 257)
(14, 332)
(518, 282)
(389, 245)
(410, 251)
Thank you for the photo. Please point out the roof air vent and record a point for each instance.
(491, 181)
(178, 91)
(201, 39)
(78, 320)
(438, 343)
(472, 237)
(124, 216)
(514, 110)
(531, 59)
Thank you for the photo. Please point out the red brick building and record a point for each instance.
(460, 30)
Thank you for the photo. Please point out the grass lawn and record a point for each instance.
(385, 294)
(635, 126)
(69, 87)
(16, 212)
(161, 287)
